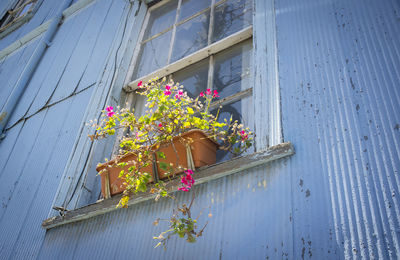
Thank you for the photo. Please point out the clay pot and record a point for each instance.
(203, 150)
(116, 183)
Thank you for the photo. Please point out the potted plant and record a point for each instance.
(176, 135)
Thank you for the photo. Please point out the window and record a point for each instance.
(20, 10)
(201, 44)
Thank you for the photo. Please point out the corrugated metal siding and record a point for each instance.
(337, 198)
(247, 210)
(11, 68)
(74, 61)
(31, 173)
(44, 126)
(339, 71)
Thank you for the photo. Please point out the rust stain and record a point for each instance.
(3, 115)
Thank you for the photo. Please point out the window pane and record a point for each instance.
(240, 110)
(161, 18)
(230, 17)
(193, 78)
(191, 36)
(232, 69)
(191, 7)
(153, 55)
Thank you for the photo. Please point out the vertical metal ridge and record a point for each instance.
(360, 159)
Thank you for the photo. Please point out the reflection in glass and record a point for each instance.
(191, 36)
(232, 69)
(242, 111)
(191, 7)
(225, 112)
(161, 18)
(230, 17)
(152, 55)
(193, 78)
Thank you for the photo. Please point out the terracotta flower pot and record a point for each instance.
(203, 150)
(116, 183)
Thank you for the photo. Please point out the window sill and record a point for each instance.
(203, 175)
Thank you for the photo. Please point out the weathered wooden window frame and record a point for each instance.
(268, 140)
(16, 22)
(207, 52)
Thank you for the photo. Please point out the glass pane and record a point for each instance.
(153, 55)
(230, 17)
(240, 110)
(191, 7)
(193, 78)
(191, 36)
(161, 19)
(232, 69)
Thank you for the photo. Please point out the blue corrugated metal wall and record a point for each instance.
(336, 198)
(339, 72)
(43, 128)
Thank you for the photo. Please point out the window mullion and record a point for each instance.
(211, 25)
(232, 98)
(174, 32)
(210, 72)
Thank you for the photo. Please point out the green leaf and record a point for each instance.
(164, 166)
(161, 155)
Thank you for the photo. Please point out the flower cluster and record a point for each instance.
(244, 135)
(208, 92)
(167, 90)
(110, 112)
(169, 113)
(187, 181)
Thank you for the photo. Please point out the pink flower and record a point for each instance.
(179, 95)
(208, 91)
(201, 94)
(109, 109)
(140, 83)
(110, 114)
(183, 189)
(167, 91)
(187, 181)
(160, 125)
(215, 94)
(243, 135)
